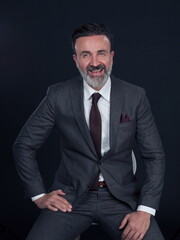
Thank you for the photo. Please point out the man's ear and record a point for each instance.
(112, 54)
(75, 59)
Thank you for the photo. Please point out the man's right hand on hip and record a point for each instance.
(54, 201)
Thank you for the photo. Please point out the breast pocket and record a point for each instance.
(126, 134)
(128, 124)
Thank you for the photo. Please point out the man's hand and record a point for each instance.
(54, 202)
(135, 225)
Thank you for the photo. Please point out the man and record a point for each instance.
(98, 118)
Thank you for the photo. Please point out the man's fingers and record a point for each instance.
(54, 202)
(141, 236)
(55, 196)
(63, 200)
(127, 234)
(60, 203)
(60, 192)
(138, 236)
(130, 235)
(63, 205)
(57, 205)
(124, 222)
(135, 225)
(52, 208)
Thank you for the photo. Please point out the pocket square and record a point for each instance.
(124, 118)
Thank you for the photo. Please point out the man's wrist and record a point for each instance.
(37, 196)
(150, 210)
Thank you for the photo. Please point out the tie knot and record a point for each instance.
(95, 97)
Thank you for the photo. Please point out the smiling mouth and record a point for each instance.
(96, 73)
(95, 70)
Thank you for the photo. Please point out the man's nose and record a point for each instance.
(94, 61)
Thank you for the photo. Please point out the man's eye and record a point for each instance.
(85, 55)
(102, 54)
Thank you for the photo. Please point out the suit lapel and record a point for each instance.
(116, 106)
(76, 94)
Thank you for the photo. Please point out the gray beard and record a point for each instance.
(96, 82)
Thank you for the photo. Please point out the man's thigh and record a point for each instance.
(111, 213)
(58, 225)
(154, 232)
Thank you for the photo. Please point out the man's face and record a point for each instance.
(94, 59)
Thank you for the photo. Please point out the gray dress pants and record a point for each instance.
(96, 206)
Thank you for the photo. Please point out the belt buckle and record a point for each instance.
(101, 184)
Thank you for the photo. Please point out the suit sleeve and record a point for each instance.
(152, 153)
(31, 137)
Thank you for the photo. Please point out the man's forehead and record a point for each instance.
(92, 41)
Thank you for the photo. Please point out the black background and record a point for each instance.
(35, 52)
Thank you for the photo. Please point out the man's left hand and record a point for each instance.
(135, 225)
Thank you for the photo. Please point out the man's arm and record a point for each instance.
(152, 154)
(31, 137)
(136, 224)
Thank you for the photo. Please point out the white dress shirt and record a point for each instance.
(104, 109)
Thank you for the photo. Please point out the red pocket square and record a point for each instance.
(124, 118)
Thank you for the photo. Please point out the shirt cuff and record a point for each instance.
(150, 210)
(37, 196)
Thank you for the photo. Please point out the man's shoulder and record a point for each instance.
(65, 85)
(60, 91)
(128, 88)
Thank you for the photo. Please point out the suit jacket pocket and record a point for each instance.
(125, 134)
(133, 121)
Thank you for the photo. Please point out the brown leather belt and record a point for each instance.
(102, 184)
(99, 185)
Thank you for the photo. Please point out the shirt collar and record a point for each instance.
(104, 91)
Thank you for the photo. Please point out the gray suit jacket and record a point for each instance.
(130, 119)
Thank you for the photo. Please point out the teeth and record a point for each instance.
(96, 71)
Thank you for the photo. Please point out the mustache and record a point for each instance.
(99, 67)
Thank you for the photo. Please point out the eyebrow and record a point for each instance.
(99, 51)
(84, 52)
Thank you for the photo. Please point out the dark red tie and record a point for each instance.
(95, 130)
(95, 123)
